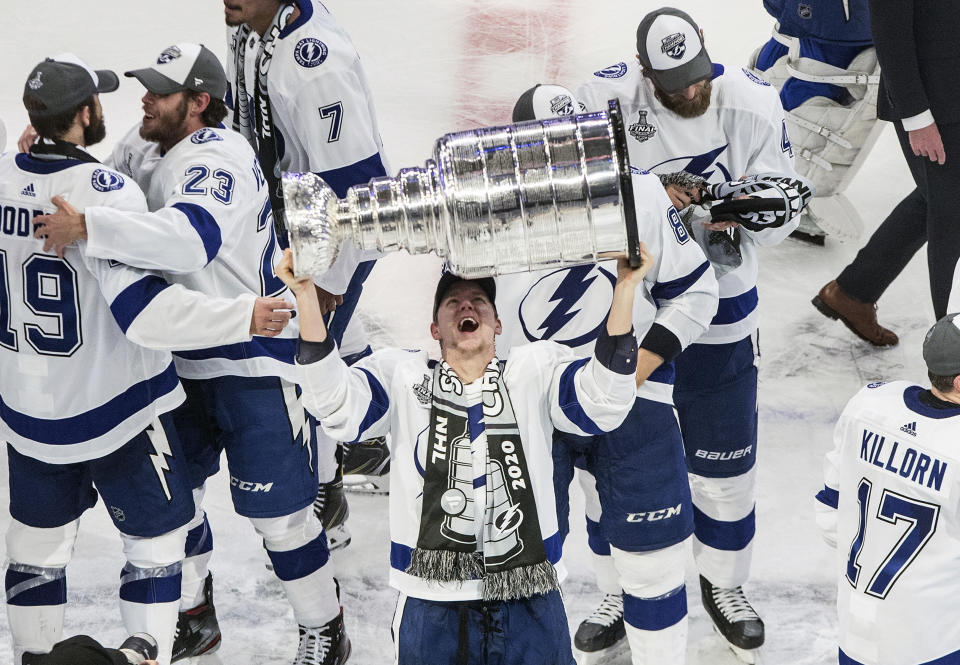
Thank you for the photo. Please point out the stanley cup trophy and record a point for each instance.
(533, 195)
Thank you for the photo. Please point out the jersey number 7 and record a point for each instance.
(921, 518)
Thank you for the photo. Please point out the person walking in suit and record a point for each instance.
(920, 61)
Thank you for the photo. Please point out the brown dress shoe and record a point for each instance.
(859, 317)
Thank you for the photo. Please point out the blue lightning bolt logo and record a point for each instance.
(701, 165)
(568, 293)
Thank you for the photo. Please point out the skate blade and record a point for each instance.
(748, 656)
(366, 484)
(602, 657)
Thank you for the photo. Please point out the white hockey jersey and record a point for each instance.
(211, 230)
(891, 506)
(321, 108)
(389, 392)
(743, 132)
(74, 383)
(570, 305)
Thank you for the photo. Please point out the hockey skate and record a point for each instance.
(326, 645)
(197, 631)
(366, 466)
(332, 510)
(601, 635)
(734, 619)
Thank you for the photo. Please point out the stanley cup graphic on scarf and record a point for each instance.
(500, 542)
(457, 502)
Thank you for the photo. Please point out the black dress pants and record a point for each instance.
(929, 214)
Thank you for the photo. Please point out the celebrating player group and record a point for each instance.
(152, 325)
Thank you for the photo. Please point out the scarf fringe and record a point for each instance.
(445, 565)
(520, 582)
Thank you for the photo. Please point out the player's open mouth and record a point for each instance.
(468, 324)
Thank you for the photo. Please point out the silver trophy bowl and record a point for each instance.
(534, 195)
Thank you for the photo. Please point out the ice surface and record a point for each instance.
(437, 66)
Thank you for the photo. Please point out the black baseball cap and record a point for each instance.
(184, 67)
(448, 279)
(60, 84)
(941, 346)
(671, 50)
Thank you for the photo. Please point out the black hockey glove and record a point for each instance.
(773, 201)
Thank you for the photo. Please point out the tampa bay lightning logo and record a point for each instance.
(568, 306)
(636, 170)
(753, 77)
(168, 55)
(674, 45)
(706, 165)
(310, 52)
(205, 135)
(106, 181)
(613, 71)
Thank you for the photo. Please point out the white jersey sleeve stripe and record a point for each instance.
(95, 422)
(134, 299)
(205, 225)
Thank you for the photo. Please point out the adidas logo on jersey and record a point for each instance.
(29, 191)
(910, 428)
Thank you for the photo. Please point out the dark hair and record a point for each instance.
(53, 127)
(215, 112)
(942, 383)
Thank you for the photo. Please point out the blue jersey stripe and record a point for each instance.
(358, 173)
(127, 306)
(282, 349)
(570, 404)
(379, 403)
(95, 422)
(829, 497)
(665, 373)
(737, 308)
(911, 399)
(341, 315)
(42, 166)
(205, 225)
(949, 659)
(676, 287)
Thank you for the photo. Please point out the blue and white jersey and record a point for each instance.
(75, 384)
(891, 507)
(570, 305)
(743, 132)
(211, 230)
(390, 392)
(322, 110)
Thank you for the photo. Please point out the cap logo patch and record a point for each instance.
(674, 45)
(197, 82)
(561, 105)
(310, 52)
(106, 181)
(35, 83)
(169, 54)
(613, 71)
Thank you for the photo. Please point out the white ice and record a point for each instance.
(437, 66)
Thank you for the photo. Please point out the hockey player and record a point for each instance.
(889, 508)
(690, 115)
(300, 95)
(639, 512)
(81, 404)
(821, 59)
(475, 548)
(211, 229)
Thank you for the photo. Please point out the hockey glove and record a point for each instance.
(773, 201)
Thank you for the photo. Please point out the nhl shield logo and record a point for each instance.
(674, 45)
(805, 11)
(169, 55)
(641, 129)
(423, 391)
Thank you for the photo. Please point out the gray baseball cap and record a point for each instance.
(941, 346)
(671, 50)
(184, 67)
(63, 82)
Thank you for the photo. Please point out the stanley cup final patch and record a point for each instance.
(642, 130)
(674, 45)
(423, 391)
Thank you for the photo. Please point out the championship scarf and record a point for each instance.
(513, 563)
(259, 130)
